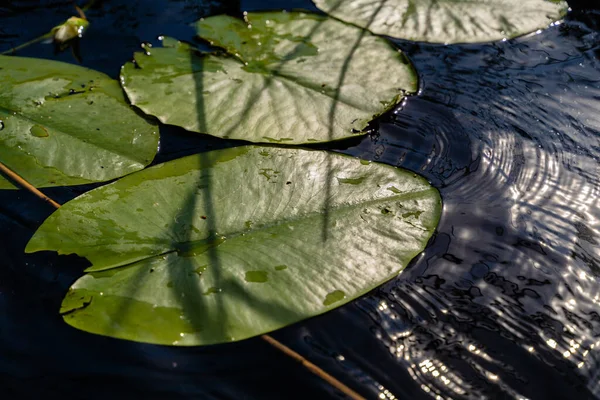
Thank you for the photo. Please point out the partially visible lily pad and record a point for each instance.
(62, 124)
(447, 21)
(234, 243)
(280, 77)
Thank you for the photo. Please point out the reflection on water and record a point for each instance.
(502, 304)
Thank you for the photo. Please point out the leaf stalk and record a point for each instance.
(312, 368)
(26, 185)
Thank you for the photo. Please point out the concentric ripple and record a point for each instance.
(505, 301)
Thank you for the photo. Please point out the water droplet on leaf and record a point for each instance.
(200, 270)
(38, 131)
(351, 181)
(334, 297)
(212, 290)
(257, 276)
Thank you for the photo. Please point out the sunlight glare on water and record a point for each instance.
(502, 304)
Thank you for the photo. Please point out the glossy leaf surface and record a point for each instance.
(61, 124)
(283, 77)
(230, 244)
(447, 21)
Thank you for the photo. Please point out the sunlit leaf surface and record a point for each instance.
(234, 243)
(281, 77)
(447, 21)
(61, 124)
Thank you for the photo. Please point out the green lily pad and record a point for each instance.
(234, 243)
(281, 77)
(61, 124)
(447, 21)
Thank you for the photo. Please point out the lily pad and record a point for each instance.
(61, 124)
(281, 77)
(447, 21)
(234, 243)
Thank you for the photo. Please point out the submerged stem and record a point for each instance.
(312, 368)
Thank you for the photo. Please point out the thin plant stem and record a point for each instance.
(81, 11)
(22, 46)
(26, 185)
(88, 5)
(312, 368)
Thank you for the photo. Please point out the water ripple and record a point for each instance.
(502, 304)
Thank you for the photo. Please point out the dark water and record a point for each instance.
(504, 303)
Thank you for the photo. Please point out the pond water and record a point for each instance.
(504, 302)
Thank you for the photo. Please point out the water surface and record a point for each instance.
(502, 304)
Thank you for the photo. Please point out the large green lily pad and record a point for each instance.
(235, 243)
(61, 124)
(282, 77)
(447, 21)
